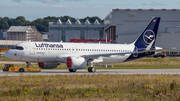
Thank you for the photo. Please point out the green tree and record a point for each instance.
(3, 24)
(18, 23)
(26, 23)
(51, 19)
(11, 22)
(6, 18)
(21, 18)
(65, 18)
(42, 25)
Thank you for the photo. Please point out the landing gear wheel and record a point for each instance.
(91, 69)
(21, 70)
(72, 70)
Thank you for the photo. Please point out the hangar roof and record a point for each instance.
(18, 29)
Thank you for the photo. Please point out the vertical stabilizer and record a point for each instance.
(148, 36)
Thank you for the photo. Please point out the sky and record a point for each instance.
(33, 9)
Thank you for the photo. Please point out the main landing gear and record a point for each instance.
(91, 68)
(72, 70)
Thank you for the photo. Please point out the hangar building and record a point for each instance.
(64, 31)
(122, 26)
(125, 25)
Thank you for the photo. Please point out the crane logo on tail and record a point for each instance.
(148, 36)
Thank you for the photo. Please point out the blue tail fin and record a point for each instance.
(148, 36)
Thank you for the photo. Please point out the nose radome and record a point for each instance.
(6, 54)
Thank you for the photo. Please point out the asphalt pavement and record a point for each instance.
(98, 71)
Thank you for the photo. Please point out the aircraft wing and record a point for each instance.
(157, 50)
(95, 56)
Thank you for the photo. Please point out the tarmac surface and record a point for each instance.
(98, 71)
(13, 62)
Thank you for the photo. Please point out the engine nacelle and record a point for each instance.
(76, 63)
(47, 65)
(161, 54)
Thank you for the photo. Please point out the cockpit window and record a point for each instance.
(17, 47)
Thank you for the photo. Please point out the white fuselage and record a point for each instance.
(58, 52)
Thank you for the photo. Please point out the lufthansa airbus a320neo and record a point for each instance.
(78, 55)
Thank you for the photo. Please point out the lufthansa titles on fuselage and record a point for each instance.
(49, 45)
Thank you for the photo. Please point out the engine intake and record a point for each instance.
(76, 63)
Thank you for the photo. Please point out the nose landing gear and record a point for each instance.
(28, 63)
(72, 70)
(91, 68)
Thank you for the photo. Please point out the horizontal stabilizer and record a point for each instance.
(157, 50)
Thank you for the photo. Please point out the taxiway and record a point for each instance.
(98, 71)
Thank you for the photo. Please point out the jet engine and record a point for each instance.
(47, 65)
(76, 62)
(159, 54)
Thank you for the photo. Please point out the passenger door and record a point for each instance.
(31, 49)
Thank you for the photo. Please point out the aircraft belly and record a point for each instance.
(39, 58)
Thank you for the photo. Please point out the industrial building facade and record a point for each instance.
(23, 33)
(125, 25)
(64, 31)
(122, 26)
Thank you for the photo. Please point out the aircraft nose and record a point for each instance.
(6, 54)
